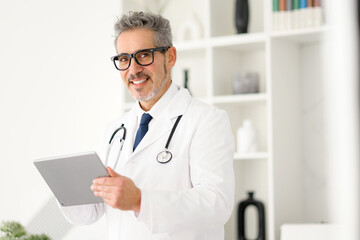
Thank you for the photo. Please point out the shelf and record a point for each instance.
(253, 41)
(249, 41)
(302, 35)
(238, 39)
(283, 61)
(228, 61)
(250, 156)
(240, 98)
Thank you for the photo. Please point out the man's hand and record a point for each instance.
(117, 191)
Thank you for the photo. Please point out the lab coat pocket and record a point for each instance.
(173, 175)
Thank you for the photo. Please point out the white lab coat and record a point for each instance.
(191, 197)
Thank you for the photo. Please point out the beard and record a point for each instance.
(155, 89)
(143, 98)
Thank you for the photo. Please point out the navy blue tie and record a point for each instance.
(143, 128)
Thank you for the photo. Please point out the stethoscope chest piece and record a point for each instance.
(164, 157)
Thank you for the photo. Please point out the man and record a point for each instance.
(188, 195)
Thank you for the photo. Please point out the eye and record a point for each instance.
(144, 54)
(123, 59)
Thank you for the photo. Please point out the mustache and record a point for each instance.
(137, 75)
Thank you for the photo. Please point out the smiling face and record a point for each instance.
(145, 83)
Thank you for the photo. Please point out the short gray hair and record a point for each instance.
(146, 20)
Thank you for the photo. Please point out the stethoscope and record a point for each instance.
(163, 157)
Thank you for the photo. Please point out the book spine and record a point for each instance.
(282, 9)
(288, 17)
(296, 4)
(282, 5)
(302, 13)
(275, 5)
(309, 15)
(303, 4)
(317, 3)
(289, 5)
(295, 14)
(318, 13)
(275, 19)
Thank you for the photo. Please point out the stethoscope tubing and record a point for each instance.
(122, 140)
(111, 142)
(116, 131)
(172, 131)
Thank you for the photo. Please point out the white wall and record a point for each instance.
(342, 115)
(58, 89)
(314, 158)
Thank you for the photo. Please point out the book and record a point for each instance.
(296, 14)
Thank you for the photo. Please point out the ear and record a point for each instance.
(171, 60)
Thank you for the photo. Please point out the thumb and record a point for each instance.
(112, 173)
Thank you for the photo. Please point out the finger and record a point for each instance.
(112, 173)
(99, 181)
(105, 181)
(97, 194)
(102, 188)
(102, 194)
(107, 197)
(109, 182)
(97, 188)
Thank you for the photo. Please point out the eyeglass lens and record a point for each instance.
(144, 57)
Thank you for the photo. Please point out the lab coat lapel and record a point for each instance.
(158, 129)
(130, 124)
(165, 122)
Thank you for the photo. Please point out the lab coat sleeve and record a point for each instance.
(83, 214)
(88, 213)
(209, 203)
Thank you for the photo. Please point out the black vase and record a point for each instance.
(186, 80)
(241, 217)
(242, 16)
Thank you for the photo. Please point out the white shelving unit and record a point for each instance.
(275, 172)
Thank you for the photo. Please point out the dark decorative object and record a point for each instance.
(241, 217)
(242, 16)
(186, 80)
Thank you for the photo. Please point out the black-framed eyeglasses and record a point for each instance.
(143, 57)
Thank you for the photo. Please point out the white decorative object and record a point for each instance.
(154, 6)
(246, 138)
(190, 29)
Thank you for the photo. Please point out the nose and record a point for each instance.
(134, 71)
(134, 67)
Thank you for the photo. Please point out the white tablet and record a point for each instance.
(70, 177)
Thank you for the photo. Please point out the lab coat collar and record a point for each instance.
(157, 109)
(129, 121)
(165, 121)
